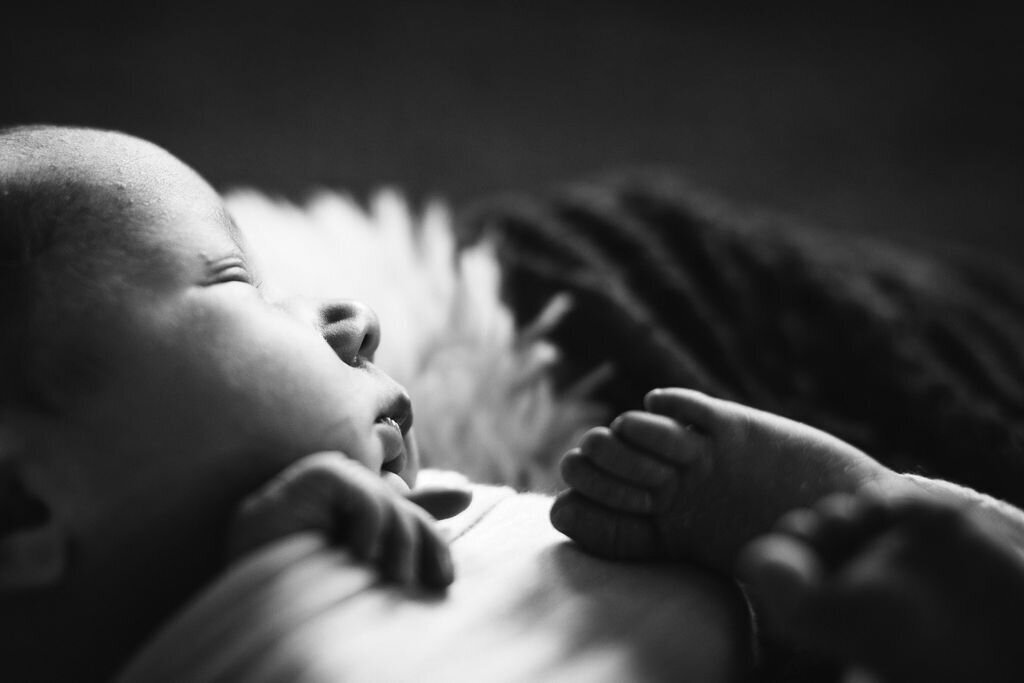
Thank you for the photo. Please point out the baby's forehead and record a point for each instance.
(113, 194)
(167, 227)
(103, 173)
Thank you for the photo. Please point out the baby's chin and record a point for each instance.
(395, 481)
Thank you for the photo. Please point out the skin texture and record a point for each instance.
(198, 391)
(693, 477)
(908, 589)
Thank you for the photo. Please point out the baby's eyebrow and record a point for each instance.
(239, 236)
(236, 232)
(235, 257)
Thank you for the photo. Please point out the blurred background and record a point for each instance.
(892, 122)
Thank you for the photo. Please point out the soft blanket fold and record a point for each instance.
(526, 606)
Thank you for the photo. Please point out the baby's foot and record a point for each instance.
(908, 589)
(694, 477)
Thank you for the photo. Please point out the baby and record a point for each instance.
(904, 578)
(158, 414)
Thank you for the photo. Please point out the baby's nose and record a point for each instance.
(351, 328)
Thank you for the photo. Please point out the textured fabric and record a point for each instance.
(917, 360)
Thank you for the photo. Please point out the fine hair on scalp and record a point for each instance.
(53, 257)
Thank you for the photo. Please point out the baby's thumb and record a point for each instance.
(441, 502)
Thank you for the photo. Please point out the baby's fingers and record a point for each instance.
(594, 483)
(323, 492)
(399, 561)
(435, 561)
(361, 513)
(441, 502)
(415, 549)
(661, 436)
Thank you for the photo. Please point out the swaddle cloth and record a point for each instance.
(526, 605)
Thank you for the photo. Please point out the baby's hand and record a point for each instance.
(342, 498)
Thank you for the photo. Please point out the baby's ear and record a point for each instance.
(33, 549)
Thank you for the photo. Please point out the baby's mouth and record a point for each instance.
(393, 435)
(392, 426)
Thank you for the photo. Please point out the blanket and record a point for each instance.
(915, 355)
(526, 606)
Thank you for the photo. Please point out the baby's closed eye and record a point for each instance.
(232, 268)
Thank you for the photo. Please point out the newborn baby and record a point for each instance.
(158, 413)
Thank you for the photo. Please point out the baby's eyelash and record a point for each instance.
(232, 268)
(236, 274)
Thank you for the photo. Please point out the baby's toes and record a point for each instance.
(618, 458)
(603, 531)
(661, 436)
(691, 407)
(591, 481)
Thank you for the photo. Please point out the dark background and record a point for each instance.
(900, 123)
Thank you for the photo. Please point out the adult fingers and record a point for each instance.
(780, 572)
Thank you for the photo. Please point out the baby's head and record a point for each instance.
(146, 384)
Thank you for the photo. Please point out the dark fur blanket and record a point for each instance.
(916, 359)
